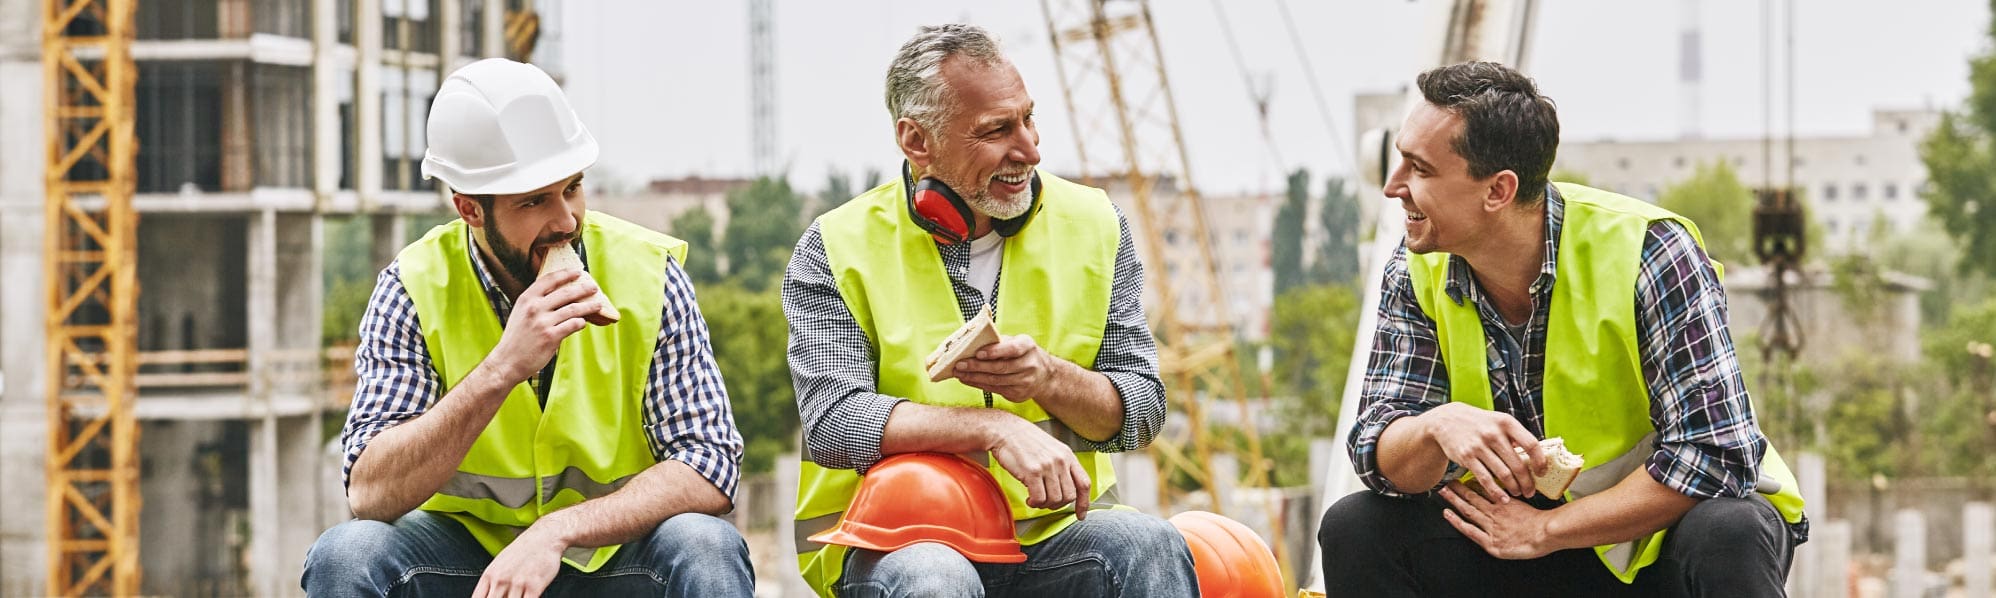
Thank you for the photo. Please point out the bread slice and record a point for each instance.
(563, 258)
(975, 334)
(1562, 467)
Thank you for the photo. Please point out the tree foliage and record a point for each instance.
(1721, 205)
(1312, 329)
(1337, 255)
(1286, 240)
(1961, 165)
(763, 226)
(696, 227)
(750, 337)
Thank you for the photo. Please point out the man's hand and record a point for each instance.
(1482, 441)
(1015, 368)
(545, 313)
(1511, 529)
(1053, 477)
(524, 569)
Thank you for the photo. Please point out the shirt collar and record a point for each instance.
(1459, 285)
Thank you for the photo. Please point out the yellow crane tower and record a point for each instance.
(1126, 132)
(88, 268)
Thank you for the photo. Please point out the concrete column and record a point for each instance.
(450, 35)
(1833, 580)
(23, 422)
(298, 499)
(1225, 474)
(1978, 541)
(298, 301)
(367, 101)
(391, 232)
(260, 305)
(326, 156)
(783, 577)
(1136, 481)
(493, 28)
(266, 516)
(1909, 554)
(1805, 579)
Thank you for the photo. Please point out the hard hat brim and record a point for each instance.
(522, 179)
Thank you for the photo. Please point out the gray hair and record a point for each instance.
(915, 88)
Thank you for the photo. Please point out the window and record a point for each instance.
(1678, 162)
(178, 114)
(1797, 162)
(1859, 159)
(1622, 163)
(1830, 192)
(1890, 190)
(1857, 191)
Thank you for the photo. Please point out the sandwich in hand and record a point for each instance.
(1562, 467)
(975, 334)
(563, 258)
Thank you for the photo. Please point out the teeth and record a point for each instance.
(1011, 179)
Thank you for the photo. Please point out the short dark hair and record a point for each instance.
(1507, 125)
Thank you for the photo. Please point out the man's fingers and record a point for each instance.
(484, 586)
(1501, 473)
(553, 280)
(1472, 532)
(1036, 491)
(1081, 485)
(1484, 479)
(1009, 347)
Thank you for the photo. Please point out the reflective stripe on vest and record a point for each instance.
(589, 438)
(1054, 286)
(1591, 322)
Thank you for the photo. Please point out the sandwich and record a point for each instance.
(563, 258)
(975, 334)
(1562, 467)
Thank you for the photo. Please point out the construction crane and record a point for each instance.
(88, 267)
(1126, 130)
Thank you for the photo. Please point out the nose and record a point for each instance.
(1026, 148)
(1396, 185)
(566, 224)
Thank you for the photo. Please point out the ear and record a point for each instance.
(469, 209)
(915, 142)
(1502, 192)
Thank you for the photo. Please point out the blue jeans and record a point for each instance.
(424, 554)
(1111, 553)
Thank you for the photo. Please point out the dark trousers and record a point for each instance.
(1375, 545)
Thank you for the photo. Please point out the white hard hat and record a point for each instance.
(500, 127)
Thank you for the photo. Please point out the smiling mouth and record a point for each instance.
(1013, 179)
(1414, 216)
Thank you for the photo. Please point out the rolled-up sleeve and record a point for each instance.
(395, 379)
(1403, 376)
(687, 415)
(1708, 444)
(1128, 356)
(832, 365)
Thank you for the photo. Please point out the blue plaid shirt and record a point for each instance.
(1707, 443)
(686, 412)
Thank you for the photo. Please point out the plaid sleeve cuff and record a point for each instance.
(1704, 471)
(1365, 452)
(848, 436)
(1143, 412)
(717, 466)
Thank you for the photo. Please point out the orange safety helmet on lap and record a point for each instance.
(1231, 561)
(929, 497)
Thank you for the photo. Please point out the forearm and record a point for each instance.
(1085, 400)
(662, 491)
(403, 465)
(1408, 458)
(913, 427)
(1637, 506)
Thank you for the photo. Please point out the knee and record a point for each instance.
(699, 536)
(1357, 517)
(349, 544)
(1730, 529)
(927, 569)
(1144, 536)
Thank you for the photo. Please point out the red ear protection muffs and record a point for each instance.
(939, 210)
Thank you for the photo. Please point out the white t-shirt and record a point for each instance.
(986, 253)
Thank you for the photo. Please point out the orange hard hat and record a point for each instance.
(910, 498)
(1231, 561)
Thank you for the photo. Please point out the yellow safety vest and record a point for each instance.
(590, 439)
(1054, 286)
(1594, 391)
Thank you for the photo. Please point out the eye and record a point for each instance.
(573, 189)
(531, 203)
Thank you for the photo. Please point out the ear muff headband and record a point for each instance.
(937, 208)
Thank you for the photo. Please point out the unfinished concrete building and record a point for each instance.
(256, 123)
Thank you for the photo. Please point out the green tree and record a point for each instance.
(750, 337)
(348, 277)
(1723, 208)
(1286, 242)
(1961, 164)
(763, 226)
(1312, 329)
(1959, 422)
(1337, 255)
(696, 227)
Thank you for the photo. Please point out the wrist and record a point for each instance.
(551, 529)
(995, 426)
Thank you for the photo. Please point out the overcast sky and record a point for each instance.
(665, 85)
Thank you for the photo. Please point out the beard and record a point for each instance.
(980, 199)
(517, 262)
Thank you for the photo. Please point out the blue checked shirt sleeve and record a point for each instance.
(686, 414)
(1708, 444)
(396, 381)
(831, 364)
(1128, 356)
(1404, 375)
